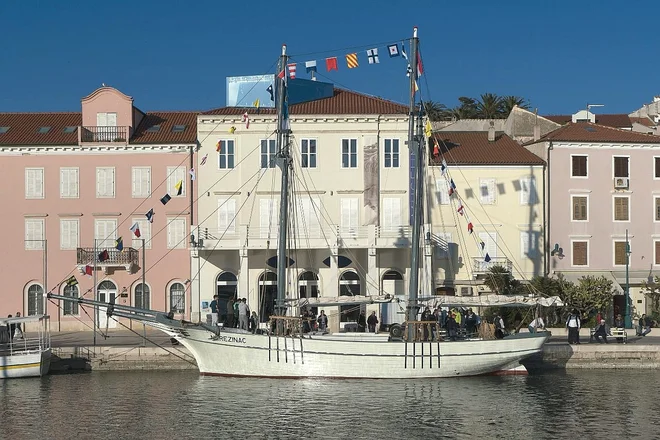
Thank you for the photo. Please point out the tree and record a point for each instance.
(467, 109)
(589, 294)
(499, 280)
(437, 111)
(489, 106)
(509, 102)
(652, 291)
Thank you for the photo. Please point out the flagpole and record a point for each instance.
(144, 286)
(94, 291)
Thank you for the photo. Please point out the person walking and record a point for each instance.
(372, 321)
(644, 325)
(323, 321)
(573, 325)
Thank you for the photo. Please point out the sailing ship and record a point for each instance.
(283, 350)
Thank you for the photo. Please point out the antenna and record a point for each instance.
(594, 105)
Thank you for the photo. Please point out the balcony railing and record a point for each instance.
(103, 134)
(127, 258)
(481, 267)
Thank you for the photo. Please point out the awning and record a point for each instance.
(339, 300)
(574, 276)
(492, 301)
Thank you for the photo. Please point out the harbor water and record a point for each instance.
(163, 405)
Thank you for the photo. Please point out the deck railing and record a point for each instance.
(104, 133)
(125, 257)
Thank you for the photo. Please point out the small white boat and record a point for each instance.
(28, 356)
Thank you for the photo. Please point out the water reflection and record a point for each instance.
(182, 404)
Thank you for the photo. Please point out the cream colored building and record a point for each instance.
(350, 207)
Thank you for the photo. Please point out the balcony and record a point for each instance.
(128, 258)
(103, 135)
(481, 267)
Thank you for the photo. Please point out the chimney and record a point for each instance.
(537, 127)
(491, 132)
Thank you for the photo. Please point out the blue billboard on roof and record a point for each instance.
(246, 91)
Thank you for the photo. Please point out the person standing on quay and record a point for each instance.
(372, 321)
(573, 326)
(243, 311)
(230, 313)
(214, 310)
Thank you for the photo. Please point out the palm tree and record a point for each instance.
(489, 106)
(467, 109)
(436, 111)
(509, 102)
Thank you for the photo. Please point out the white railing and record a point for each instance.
(480, 266)
(26, 345)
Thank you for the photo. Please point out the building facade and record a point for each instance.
(603, 184)
(76, 183)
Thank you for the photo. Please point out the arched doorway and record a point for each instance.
(177, 299)
(349, 285)
(106, 291)
(267, 295)
(226, 289)
(308, 287)
(142, 296)
(35, 300)
(392, 312)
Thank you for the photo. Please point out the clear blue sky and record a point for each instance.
(175, 55)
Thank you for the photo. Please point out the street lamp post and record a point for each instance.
(627, 320)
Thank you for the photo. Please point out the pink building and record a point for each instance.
(74, 183)
(603, 182)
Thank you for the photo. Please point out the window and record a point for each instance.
(34, 234)
(142, 296)
(176, 233)
(69, 183)
(145, 233)
(349, 216)
(105, 182)
(226, 216)
(4, 130)
(308, 151)
(621, 166)
(177, 298)
(104, 119)
(619, 253)
(657, 252)
(178, 129)
(442, 191)
(487, 191)
(268, 151)
(490, 243)
(35, 300)
(580, 253)
(69, 129)
(141, 177)
(43, 130)
(226, 154)
(104, 233)
(528, 191)
(529, 244)
(70, 307)
(656, 211)
(268, 217)
(69, 234)
(174, 176)
(349, 153)
(578, 166)
(621, 209)
(391, 213)
(391, 153)
(154, 129)
(579, 208)
(34, 183)
(656, 167)
(309, 210)
(443, 245)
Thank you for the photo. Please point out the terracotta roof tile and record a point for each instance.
(474, 148)
(588, 132)
(616, 120)
(165, 135)
(23, 128)
(644, 121)
(344, 102)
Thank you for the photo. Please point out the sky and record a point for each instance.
(172, 55)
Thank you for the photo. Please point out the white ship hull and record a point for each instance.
(31, 364)
(353, 355)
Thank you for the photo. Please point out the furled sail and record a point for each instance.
(339, 300)
(492, 301)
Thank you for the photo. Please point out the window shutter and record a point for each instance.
(657, 252)
(308, 215)
(68, 234)
(620, 253)
(268, 217)
(524, 245)
(226, 216)
(111, 119)
(621, 211)
(145, 232)
(349, 215)
(490, 239)
(34, 183)
(110, 182)
(657, 208)
(527, 191)
(176, 232)
(34, 230)
(391, 213)
(442, 189)
(176, 174)
(580, 249)
(101, 119)
(104, 233)
(487, 191)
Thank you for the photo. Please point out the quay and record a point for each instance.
(124, 350)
